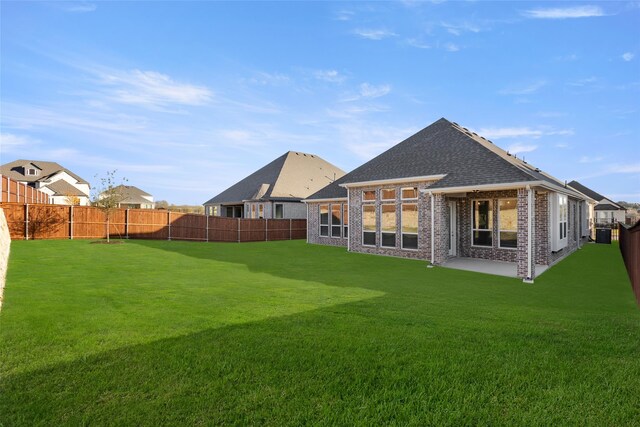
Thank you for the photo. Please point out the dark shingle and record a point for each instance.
(586, 191)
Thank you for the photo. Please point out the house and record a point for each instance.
(134, 198)
(277, 189)
(604, 212)
(63, 186)
(448, 195)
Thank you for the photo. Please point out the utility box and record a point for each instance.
(603, 235)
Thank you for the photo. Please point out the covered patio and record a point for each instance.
(498, 268)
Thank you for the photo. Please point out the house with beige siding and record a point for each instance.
(447, 194)
(276, 190)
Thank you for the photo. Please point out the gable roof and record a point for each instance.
(15, 171)
(292, 176)
(63, 188)
(442, 148)
(608, 207)
(586, 191)
(133, 194)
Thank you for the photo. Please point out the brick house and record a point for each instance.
(447, 193)
(275, 190)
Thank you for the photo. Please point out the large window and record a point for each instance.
(409, 221)
(482, 223)
(279, 208)
(345, 220)
(335, 220)
(369, 225)
(564, 215)
(388, 226)
(253, 211)
(508, 223)
(260, 210)
(324, 220)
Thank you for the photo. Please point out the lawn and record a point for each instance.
(285, 333)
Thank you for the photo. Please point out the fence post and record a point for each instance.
(169, 223)
(206, 218)
(239, 230)
(290, 229)
(126, 223)
(71, 222)
(26, 221)
(266, 229)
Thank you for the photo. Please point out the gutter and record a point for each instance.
(393, 181)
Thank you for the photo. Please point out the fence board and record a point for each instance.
(85, 222)
(630, 249)
(14, 192)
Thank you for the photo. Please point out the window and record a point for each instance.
(32, 171)
(389, 194)
(253, 211)
(279, 208)
(229, 211)
(369, 196)
(345, 220)
(324, 220)
(369, 225)
(260, 210)
(409, 193)
(335, 220)
(409, 221)
(388, 226)
(508, 223)
(482, 223)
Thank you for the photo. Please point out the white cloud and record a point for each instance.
(583, 82)
(418, 44)
(521, 148)
(565, 13)
(458, 29)
(344, 15)
(519, 132)
(587, 159)
(374, 34)
(451, 47)
(628, 56)
(331, 76)
(614, 169)
(370, 91)
(79, 7)
(10, 140)
(150, 88)
(524, 90)
(273, 79)
(366, 140)
(562, 145)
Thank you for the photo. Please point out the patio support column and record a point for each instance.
(525, 249)
(432, 237)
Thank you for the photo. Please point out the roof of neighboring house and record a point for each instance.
(292, 176)
(586, 191)
(63, 188)
(15, 171)
(442, 148)
(608, 207)
(133, 195)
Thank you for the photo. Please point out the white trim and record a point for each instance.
(331, 221)
(505, 186)
(453, 228)
(375, 196)
(320, 224)
(530, 266)
(337, 199)
(433, 240)
(409, 188)
(348, 227)
(382, 190)
(393, 181)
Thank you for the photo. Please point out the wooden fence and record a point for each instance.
(13, 191)
(630, 248)
(39, 221)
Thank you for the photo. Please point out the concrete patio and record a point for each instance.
(499, 268)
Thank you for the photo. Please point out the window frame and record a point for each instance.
(275, 210)
(375, 195)
(345, 224)
(320, 224)
(402, 232)
(382, 197)
(409, 198)
(500, 230)
(395, 223)
(473, 229)
(375, 226)
(331, 223)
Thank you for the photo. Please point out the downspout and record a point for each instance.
(307, 222)
(348, 226)
(433, 240)
(529, 279)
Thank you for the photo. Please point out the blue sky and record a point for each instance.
(184, 99)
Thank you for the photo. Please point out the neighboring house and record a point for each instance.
(276, 190)
(603, 211)
(134, 198)
(63, 186)
(444, 194)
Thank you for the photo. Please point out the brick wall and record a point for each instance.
(542, 248)
(313, 226)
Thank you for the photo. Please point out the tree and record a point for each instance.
(108, 196)
(71, 199)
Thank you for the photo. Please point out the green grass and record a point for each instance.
(284, 333)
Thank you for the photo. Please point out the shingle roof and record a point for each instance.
(14, 170)
(63, 188)
(442, 148)
(586, 191)
(292, 176)
(608, 207)
(133, 195)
